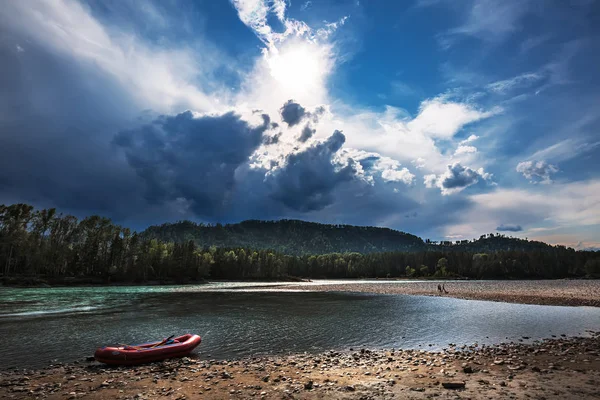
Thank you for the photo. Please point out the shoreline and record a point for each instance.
(538, 292)
(41, 283)
(554, 368)
(559, 292)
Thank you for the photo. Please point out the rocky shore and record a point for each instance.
(543, 292)
(561, 368)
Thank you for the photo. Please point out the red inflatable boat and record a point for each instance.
(148, 352)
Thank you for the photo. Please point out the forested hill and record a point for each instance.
(288, 237)
(41, 247)
(304, 238)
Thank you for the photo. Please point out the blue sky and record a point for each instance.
(447, 119)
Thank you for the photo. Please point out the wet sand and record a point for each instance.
(565, 368)
(543, 292)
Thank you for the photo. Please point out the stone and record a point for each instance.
(226, 375)
(453, 385)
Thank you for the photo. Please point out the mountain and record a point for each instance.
(296, 237)
(288, 237)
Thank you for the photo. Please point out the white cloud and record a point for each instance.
(373, 165)
(560, 151)
(465, 150)
(419, 163)
(455, 179)
(295, 62)
(537, 171)
(539, 209)
(565, 150)
(492, 20)
(394, 175)
(470, 139)
(162, 79)
(254, 14)
(394, 133)
(439, 118)
(385, 132)
(523, 80)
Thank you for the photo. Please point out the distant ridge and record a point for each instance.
(297, 237)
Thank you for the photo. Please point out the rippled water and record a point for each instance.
(241, 319)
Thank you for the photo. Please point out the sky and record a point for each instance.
(446, 119)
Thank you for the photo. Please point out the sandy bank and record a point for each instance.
(545, 292)
(555, 369)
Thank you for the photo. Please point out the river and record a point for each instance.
(39, 326)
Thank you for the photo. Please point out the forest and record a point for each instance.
(46, 246)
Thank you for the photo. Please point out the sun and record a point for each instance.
(299, 68)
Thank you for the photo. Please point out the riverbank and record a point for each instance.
(542, 292)
(563, 292)
(37, 282)
(553, 369)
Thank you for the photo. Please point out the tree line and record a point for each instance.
(55, 247)
(288, 236)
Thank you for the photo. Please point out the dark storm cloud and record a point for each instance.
(55, 131)
(272, 139)
(205, 163)
(307, 180)
(369, 162)
(58, 148)
(509, 228)
(307, 133)
(292, 112)
(184, 157)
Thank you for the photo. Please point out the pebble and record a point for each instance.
(318, 373)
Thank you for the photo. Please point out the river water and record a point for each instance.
(43, 325)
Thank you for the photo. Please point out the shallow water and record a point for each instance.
(243, 319)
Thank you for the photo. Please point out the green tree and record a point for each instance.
(592, 267)
(441, 268)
